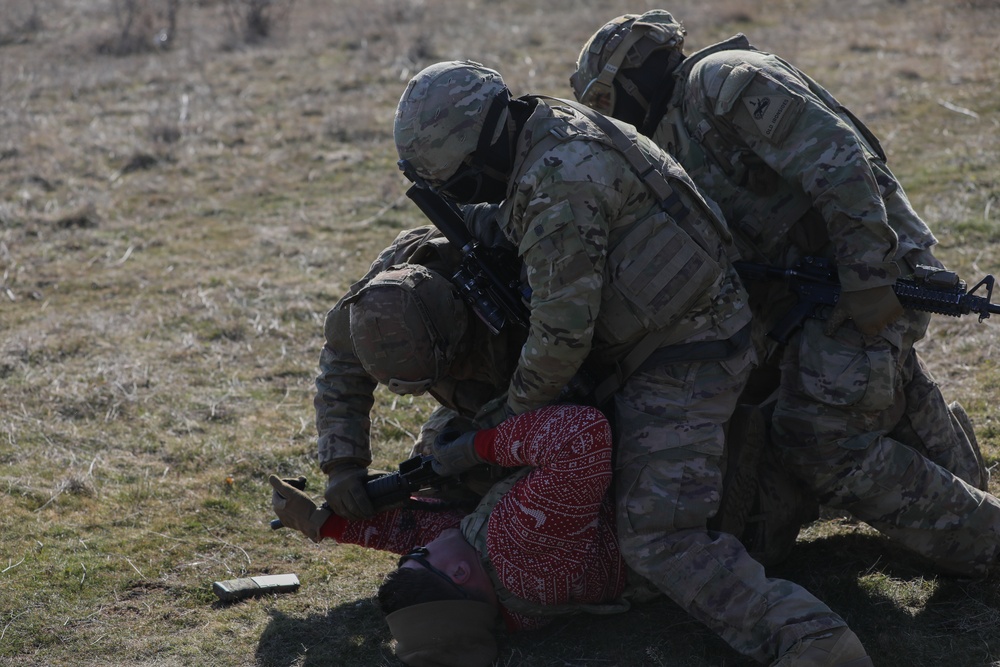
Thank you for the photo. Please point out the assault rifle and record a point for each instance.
(488, 278)
(414, 474)
(814, 280)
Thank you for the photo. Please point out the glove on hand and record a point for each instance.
(455, 452)
(872, 310)
(296, 509)
(345, 492)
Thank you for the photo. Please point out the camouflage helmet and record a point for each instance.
(442, 113)
(407, 325)
(623, 43)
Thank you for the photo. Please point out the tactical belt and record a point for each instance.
(641, 356)
(712, 350)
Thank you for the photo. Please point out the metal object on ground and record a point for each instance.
(238, 589)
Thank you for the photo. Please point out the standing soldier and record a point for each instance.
(628, 269)
(858, 418)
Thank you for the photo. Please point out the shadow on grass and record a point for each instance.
(351, 634)
(904, 613)
(653, 634)
(906, 617)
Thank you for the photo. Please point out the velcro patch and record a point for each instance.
(767, 111)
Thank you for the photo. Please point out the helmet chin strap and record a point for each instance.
(632, 90)
(494, 125)
(663, 92)
(487, 168)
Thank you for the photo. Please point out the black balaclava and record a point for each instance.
(484, 176)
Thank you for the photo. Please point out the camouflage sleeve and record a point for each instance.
(794, 132)
(344, 397)
(561, 220)
(441, 419)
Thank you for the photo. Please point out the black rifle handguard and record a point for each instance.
(814, 281)
(413, 475)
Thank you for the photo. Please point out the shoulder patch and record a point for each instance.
(767, 111)
(767, 108)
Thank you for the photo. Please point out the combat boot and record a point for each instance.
(839, 647)
(980, 476)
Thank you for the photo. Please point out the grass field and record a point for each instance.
(175, 223)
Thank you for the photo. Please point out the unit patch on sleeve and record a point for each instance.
(767, 111)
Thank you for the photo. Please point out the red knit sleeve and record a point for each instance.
(548, 536)
(396, 530)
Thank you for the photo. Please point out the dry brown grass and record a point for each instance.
(174, 225)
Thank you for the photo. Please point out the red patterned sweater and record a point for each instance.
(552, 537)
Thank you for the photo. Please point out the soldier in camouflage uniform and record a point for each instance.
(628, 269)
(857, 418)
(428, 341)
(390, 333)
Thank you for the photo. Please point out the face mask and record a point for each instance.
(482, 176)
(474, 185)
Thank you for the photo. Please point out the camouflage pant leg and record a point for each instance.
(839, 399)
(902, 494)
(669, 427)
(934, 429)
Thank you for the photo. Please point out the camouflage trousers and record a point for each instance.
(941, 432)
(669, 446)
(860, 421)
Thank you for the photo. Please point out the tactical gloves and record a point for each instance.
(872, 310)
(296, 509)
(455, 452)
(345, 492)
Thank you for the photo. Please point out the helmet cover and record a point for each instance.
(406, 325)
(441, 115)
(622, 43)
